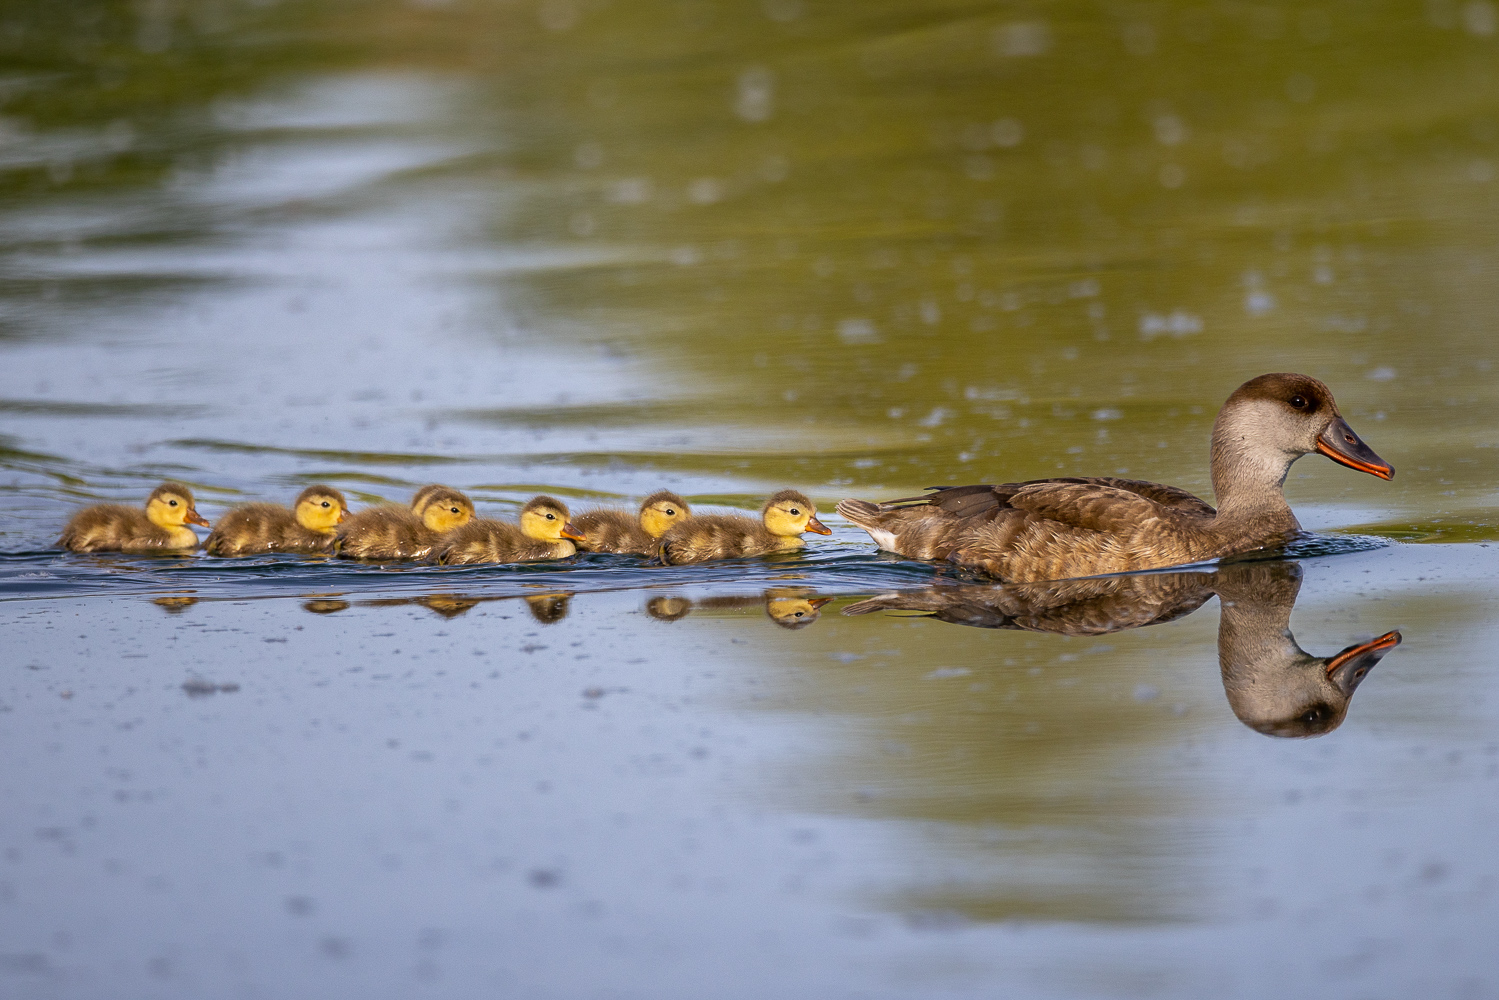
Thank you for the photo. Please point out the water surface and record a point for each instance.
(597, 248)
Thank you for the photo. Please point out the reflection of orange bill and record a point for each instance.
(817, 526)
(1350, 666)
(818, 602)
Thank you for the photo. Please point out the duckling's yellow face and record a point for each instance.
(320, 512)
(446, 512)
(547, 523)
(791, 518)
(794, 612)
(169, 509)
(657, 518)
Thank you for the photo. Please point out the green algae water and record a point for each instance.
(596, 248)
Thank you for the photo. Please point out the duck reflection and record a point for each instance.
(789, 607)
(1273, 685)
(549, 609)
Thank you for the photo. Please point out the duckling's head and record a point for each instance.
(444, 509)
(789, 514)
(793, 609)
(549, 609)
(171, 504)
(320, 508)
(1272, 420)
(423, 496)
(545, 520)
(661, 510)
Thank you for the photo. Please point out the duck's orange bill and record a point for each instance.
(193, 517)
(818, 602)
(343, 512)
(817, 526)
(1340, 444)
(568, 531)
(1381, 645)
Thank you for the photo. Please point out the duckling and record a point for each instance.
(783, 519)
(617, 531)
(311, 526)
(792, 608)
(391, 532)
(108, 527)
(544, 533)
(548, 609)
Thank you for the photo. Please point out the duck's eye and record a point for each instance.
(670, 512)
(453, 509)
(551, 517)
(172, 502)
(326, 504)
(800, 613)
(794, 511)
(1299, 402)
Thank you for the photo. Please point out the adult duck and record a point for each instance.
(1054, 529)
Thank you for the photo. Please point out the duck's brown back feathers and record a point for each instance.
(1046, 529)
(488, 541)
(264, 527)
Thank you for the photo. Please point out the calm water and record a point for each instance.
(596, 248)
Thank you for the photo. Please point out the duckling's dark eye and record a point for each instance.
(800, 613)
(172, 502)
(670, 512)
(795, 511)
(453, 509)
(1299, 402)
(551, 517)
(1312, 716)
(325, 503)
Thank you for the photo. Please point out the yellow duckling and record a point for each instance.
(108, 527)
(728, 536)
(792, 608)
(617, 531)
(310, 526)
(392, 532)
(544, 533)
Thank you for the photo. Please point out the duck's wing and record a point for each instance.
(985, 501)
(1091, 506)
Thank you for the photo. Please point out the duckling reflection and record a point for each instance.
(549, 609)
(447, 605)
(175, 604)
(1273, 685)
(325, 606)
(789, 607)
(668, 609)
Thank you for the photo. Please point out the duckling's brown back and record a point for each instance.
(385, 532)
(484, 540)
(109, 527)
(715, 536)
(255, 527)
(607, 530)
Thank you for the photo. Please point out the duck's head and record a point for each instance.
(1296, 694)
(320, 508)
(1272, 420)
(549, 609)
(790, 514)
(793, 609)
(546, 520)
(661, 510)
(170, 505)
(443, 508)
